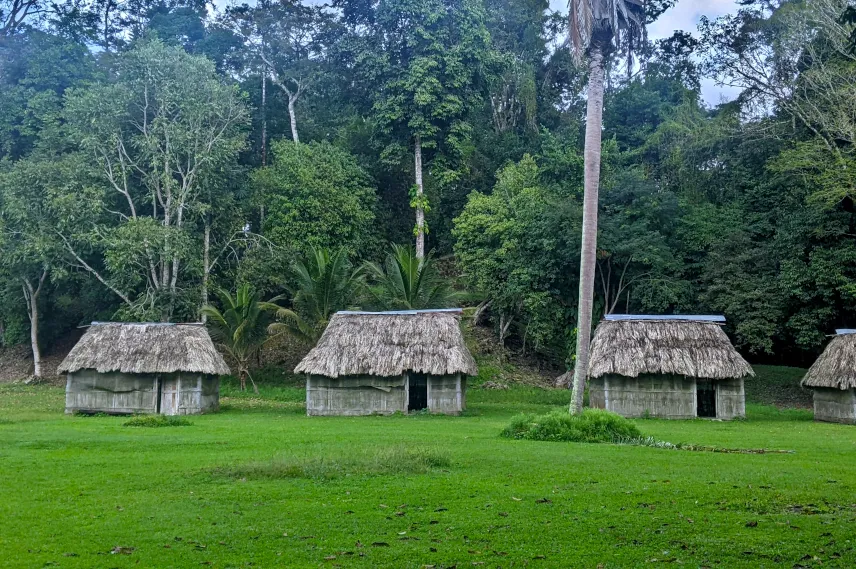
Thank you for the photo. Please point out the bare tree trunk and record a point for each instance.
(264, 118)
(420, 190)
(594, 121)
(293, 118)
(31, 295)
(206, 267)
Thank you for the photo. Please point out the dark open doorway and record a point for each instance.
(418, 392)
(705, 398)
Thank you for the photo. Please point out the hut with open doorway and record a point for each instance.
(832, 380)
(672, 367)
(387, 362)
(120, 368)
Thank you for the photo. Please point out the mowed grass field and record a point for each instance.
(262, 485)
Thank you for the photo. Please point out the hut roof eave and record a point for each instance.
(836, 366)
(390, 344)
(145, 348)
(697, 349)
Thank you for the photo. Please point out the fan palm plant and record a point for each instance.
(407, 282)
(596, 27)
(323, 283)
(240, 327)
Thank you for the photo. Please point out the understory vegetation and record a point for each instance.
(262, 483)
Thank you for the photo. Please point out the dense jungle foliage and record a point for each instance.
(154, 152)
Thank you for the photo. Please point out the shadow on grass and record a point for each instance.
(397, 460)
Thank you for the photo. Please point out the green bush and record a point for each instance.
(593, 426)
(157, 421)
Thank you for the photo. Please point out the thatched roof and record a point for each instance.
(390, 343)
(692, 348)
(145, 348)
(836, 366)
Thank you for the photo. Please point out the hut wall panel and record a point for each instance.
(835, 405)
(730, 399)
(90, 391)
(445, 394)
(664, 396)
(355, 395)
(597, 399)
(194, 394)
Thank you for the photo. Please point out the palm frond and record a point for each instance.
(606, 21)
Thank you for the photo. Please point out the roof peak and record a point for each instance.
(405, 312)
(667, 317)
(97, 323)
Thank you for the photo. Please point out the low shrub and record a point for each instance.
(157, 421)
(592, 426)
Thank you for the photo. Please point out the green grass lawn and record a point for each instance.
(262, 485)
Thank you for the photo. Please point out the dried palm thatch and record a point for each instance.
(389, 344)
(145, 348)
(679, 347)
(836, 366)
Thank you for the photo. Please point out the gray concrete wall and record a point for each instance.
(91, 392)
(835, 405)
(446, 394)
(356, 395)
(663, 396)
(730, 399)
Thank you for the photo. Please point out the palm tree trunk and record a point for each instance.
(420, 212)
(594, 121)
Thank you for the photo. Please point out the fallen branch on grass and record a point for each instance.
(652, 442)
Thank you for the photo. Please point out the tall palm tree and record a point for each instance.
(240, 328)
(596, 27)
(408, 282)
(323, 283)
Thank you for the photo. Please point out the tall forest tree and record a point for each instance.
(425, 59)
(285, 41)
(158, 134)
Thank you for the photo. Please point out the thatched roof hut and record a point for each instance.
(666, 366)
(379, 362)
(143, 367)
(691, 346)
(832, 378)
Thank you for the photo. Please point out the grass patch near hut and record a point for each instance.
(591, 426)
(395, 460)
(157, 421)
(77, 489)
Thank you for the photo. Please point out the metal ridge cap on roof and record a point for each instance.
(844, 331)
(405, 312)
(97, 323)
(673, 317)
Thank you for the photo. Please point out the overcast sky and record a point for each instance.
(685, 16)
